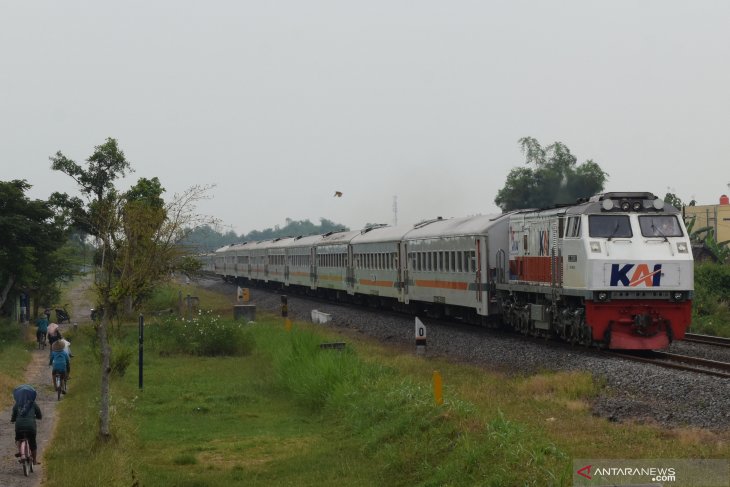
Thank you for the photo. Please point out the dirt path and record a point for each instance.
(38, 374)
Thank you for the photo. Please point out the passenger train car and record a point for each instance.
(615, 270)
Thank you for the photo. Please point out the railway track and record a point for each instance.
(707, 339)
(679, 362)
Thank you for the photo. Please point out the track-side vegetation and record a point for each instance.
(279, 410)
(711, 306)
(15, 343)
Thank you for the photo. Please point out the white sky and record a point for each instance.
(281, 103)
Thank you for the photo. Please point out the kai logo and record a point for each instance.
(635, 275)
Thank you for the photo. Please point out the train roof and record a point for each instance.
(383, 233)
(307, 241)
(334, 238)
(452, 227)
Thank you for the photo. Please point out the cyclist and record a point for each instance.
(25, 412)
(54, 333)
(42, 324)
(59, 361)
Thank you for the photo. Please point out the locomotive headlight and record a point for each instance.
(607, 205)
(682, 247)
(602, 296)
(677, 296)
(625, 205)
(636, 206)
(658, 204)
(595, 247)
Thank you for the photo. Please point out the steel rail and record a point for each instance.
(680, 362)
(707, 339)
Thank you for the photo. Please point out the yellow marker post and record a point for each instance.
(437, 388)
(287, 324)
(245, 295)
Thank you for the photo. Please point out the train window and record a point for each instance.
(561, 227)
(573, 227)
(453, 261)
(429, 256)
(473, 261)
(609, 226)
(419, 256)
(459, 261)
(660, 226)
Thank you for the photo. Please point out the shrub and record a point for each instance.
(710, 312)
(121, 358)
(163, 298)
(207, 334)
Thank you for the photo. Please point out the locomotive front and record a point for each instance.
(639, 272)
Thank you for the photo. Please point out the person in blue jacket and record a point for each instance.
(42, 324)
(59, 360)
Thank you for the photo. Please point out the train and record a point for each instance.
(614, 270)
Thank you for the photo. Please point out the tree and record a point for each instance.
(137, 237)
(674, 200)
(30, 237)
(106, 164)
(556, 178)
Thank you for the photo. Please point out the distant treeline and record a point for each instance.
(207, 239)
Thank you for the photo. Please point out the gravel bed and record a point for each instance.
(711, 352)
(634, 391)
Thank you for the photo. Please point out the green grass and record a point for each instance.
(16, 342)
(710, 306)
(287, 413)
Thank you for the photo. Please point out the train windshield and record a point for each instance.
(609, 226)
(660, 226)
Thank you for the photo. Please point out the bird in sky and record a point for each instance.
(338, 194)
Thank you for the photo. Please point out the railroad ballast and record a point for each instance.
(615, 270)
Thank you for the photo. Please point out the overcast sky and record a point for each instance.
(282, 103)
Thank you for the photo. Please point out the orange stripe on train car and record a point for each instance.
(461, 286)
(329, 277)
(369, 282)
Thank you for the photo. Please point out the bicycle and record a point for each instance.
(59, 383)
(62, 315)
(26, 456)
(41, 337)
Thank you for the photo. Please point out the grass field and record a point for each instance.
(284, 412)
(16, 341)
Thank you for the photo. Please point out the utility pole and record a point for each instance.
(395, 210)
